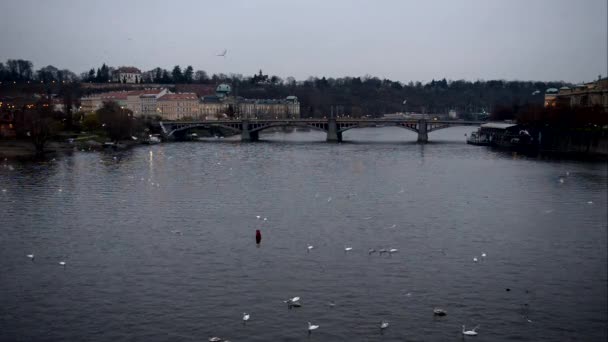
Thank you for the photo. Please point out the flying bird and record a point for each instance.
(223, 54)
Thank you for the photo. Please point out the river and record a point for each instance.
(159, 242)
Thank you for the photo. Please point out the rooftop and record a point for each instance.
(129, 69)
(498, 125)
(179, 96)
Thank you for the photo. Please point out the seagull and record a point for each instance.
(474, 259)
(471, 332)
(331, 304)
(60, 190)
(392, 250)
(245, 317)
(31, 256)
(368, 218)
(483, 255)
(257, 217)
(265, 219)
(383, 325)
(62, 263)
(310, 247)
(312, 327)
(347, 249)
(371, 251)
(223, 54)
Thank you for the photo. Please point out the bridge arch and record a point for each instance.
(258, 128)
(186, 127)
(408, 126)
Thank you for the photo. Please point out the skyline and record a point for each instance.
(400, 40)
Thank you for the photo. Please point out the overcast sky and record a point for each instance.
(401, 39)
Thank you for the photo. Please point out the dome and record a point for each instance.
(564, 88)
(223, 89)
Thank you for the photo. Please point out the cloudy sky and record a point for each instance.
(401, 39)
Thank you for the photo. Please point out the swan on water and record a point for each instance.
(439, 312)
(471, 332)
(292, 300)
(312, 327)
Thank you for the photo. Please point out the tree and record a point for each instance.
(166, 78)
(91, 75)
(177, 74)
(201, 76)
(117, 121)
(39, 124)
(188, 74)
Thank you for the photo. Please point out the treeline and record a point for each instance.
(355, 96)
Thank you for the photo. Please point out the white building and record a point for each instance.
(127, 75)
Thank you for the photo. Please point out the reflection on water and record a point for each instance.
(160, 242)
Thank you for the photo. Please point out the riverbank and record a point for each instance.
(24, 149)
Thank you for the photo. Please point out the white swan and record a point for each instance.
(312, 327)
(471, 332)
(292, 300)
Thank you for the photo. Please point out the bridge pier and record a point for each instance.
(332, 131)
(423, 135)
(246, 134)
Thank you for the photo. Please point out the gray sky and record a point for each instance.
(401, 40)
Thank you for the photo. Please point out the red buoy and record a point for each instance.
(258, 236)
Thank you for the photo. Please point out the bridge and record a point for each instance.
(249, 129)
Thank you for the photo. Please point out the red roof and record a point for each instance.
(179, 96)
(129, 69)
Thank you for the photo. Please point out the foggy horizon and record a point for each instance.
(402, 41)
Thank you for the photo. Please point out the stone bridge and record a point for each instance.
(249, 129)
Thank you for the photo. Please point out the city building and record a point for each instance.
(221, 104)
(178, 106)
(140, 102)
(582, 95)
(127, 75)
